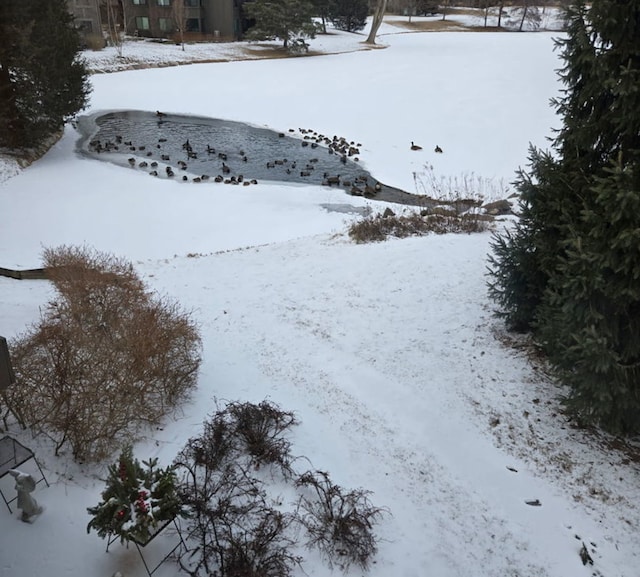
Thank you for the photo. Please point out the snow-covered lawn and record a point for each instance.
(388, 353)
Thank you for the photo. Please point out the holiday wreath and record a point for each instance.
(137, 501)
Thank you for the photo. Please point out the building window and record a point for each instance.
(192, 3)
(142, 23)
(192, 25)
(139, 2)
(164, 2)
(165, 24)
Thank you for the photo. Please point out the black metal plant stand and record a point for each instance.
(140, 545)
(12, 455)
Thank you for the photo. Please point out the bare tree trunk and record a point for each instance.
(524, 15)
(113, 27)
(444, 9)
(500, 9)
(378, 15)
(178, 16)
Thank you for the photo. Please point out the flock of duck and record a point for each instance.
(156, 168)
(154, 159)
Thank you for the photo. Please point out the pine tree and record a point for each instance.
(43, 83)
(286, 20)
(349, 15)
(571, 268)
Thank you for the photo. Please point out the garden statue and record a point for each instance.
(25, 484)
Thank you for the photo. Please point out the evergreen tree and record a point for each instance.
(42, 81)
(349, 15)
(286, 20)
(571, 268)
(137, 500)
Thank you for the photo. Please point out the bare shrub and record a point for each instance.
(106, 357)
(94, 42)
(236, 529)
(378, 227)
(339, 524)
(466, 188)
(262, 428)
(233, 530)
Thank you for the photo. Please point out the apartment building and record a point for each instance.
(199, 19)
(87, 16)
(173, 19)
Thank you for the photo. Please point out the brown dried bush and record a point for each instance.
(378, 227)
(106, 357)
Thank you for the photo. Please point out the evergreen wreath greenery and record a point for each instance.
(137, 501)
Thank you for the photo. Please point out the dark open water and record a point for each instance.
(205, 148)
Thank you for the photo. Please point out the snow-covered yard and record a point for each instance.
(401, 377)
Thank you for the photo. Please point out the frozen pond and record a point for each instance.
(208, 150)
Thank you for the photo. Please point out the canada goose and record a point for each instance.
(205, 177)
(165, 157)
(438, 149)
(222, 156)
(132, 161)
(154, 164)
(415, 146)
(225, 169)
(305, 143)
(153, 173)
(218, 178)
(143, 164)
(210, 149)
(160, 114)
(185, 177)
(305, 173)
(254, 181)
(329, 180)
(162, 140)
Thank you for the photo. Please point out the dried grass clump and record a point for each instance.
(379, 227)
(106, 357)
